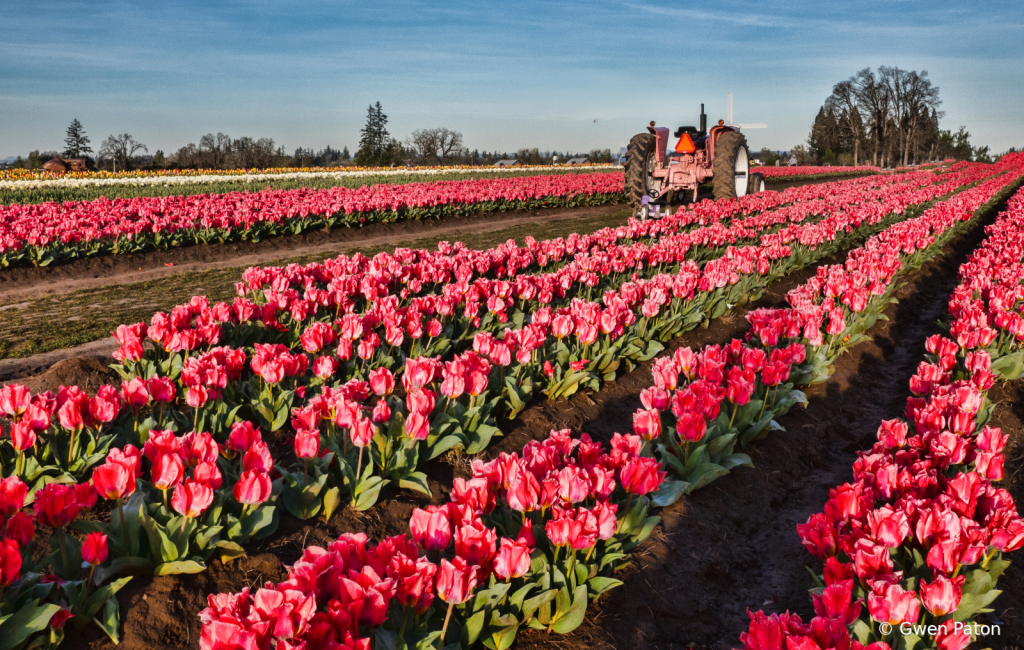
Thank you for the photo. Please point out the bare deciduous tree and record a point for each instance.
(121, 148)
(843, 100)
(439, 144)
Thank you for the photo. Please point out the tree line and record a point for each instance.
(890, 118)
(377, 147)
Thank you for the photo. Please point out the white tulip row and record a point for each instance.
(244, 178)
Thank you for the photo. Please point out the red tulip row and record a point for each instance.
(208, 494)
(43, 233)
(918, 536)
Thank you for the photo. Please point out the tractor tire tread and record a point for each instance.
(723, 181)
(640, 146)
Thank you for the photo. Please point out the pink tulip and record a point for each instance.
(431, 528)
(456, 581)
(252, 487)
(307, 443)
(94, 548)
(191, 498)
(641, 475)
(512, 559)
(13, 492)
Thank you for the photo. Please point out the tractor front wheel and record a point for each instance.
(731, 166)
(640, 165)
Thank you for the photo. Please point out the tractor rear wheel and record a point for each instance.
(731, 166)
(756, 183)
(640, 165)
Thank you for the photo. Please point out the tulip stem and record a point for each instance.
(71, 447)
(735, 408)
(124, 526)
(572, 563)
(181, 533)
(629, 502)
(359, 467)
(305, 471)
(165, 496)
(85, 590)
(63, 549)
(444, 628)
(590, 552)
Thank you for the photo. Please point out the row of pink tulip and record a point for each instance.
(455, 275)
(48, 232)
(918, 536)
(812, 171)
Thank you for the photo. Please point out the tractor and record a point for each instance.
(719, 155)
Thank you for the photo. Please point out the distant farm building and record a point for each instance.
(507, 163)
(60, 165)
(577, 161)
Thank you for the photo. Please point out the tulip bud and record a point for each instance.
(20, 528)
(512, 560)
(56, 505)
(641, 475)
(362, 432)
(113, 481)
(647, 424)
(381, 412)
(943, 595)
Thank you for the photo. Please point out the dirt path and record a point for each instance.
(24, 283)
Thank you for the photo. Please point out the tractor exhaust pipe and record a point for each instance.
(703, 121)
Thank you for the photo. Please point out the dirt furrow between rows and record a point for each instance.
(733, 545)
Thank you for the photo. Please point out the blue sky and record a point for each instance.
(553, 75)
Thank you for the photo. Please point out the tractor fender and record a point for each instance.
(661, 146)
(712, 140)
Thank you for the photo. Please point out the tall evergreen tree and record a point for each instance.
(376, 146)
(76, 144)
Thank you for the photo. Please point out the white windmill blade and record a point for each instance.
(755, 125)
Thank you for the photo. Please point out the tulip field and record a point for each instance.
(353, 427)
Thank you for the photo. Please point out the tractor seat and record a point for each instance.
(691, 130)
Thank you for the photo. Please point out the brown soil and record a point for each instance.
(84, 365)
(1009, 607)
